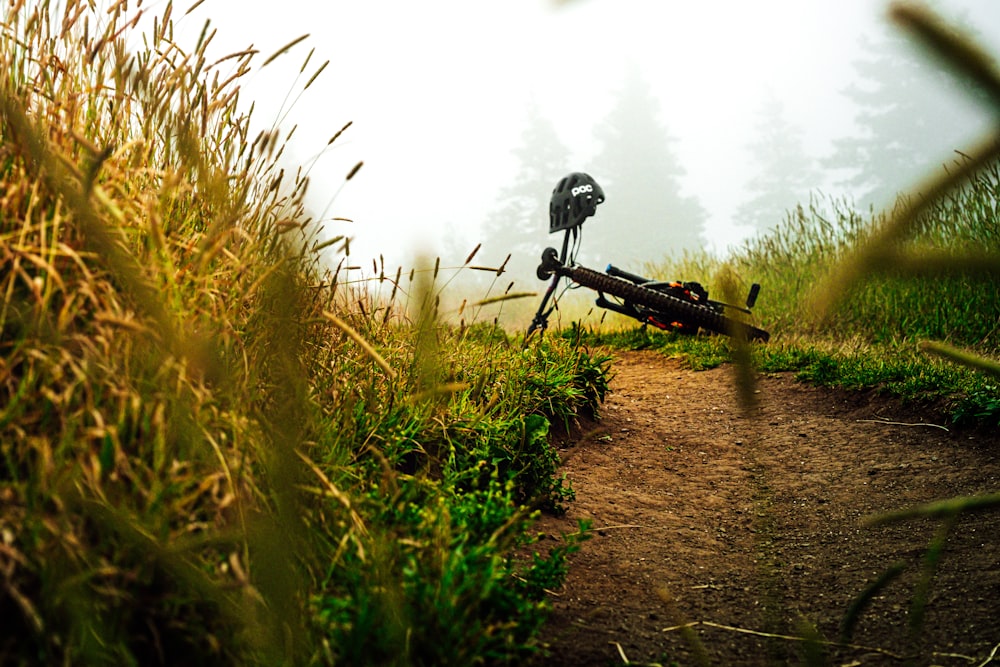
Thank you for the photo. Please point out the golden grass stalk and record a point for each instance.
(100, 239)
(472, 254)
(953, 50)
(937, 263)
(489, 269)
(505, 297)
(962, 357)
(446, 389)
(941, 509)
(362, 343)
(354, 171)
(337, 136)
(284, 49)
(331, 489)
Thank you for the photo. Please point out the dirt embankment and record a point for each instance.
(721, 536)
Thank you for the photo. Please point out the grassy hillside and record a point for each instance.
(213, 449)
(884, 324)
(903, 301)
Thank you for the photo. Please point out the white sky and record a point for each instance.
(437, 91)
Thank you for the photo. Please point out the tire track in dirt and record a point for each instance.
(703, 514)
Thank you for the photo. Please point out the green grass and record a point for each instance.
(214, 449)
(874, 334)
(952, 393)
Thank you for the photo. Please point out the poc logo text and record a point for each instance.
(580, 189)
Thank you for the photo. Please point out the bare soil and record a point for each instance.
(722, 536)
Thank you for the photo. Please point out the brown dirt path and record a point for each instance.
(704, 517)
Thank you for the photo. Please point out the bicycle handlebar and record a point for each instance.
(613, 270)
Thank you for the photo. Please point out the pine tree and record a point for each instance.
(911, 113)
(783, 174)
(519, 223)
(645, 215)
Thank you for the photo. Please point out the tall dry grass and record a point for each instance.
(146, 277)
(215, 449)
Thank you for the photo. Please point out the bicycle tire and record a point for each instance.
(703, 316)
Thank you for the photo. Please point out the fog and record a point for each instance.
(677, 107)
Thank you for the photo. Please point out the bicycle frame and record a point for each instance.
(673, 306)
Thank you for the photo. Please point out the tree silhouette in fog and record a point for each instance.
(783, 174)
(907, 121)
(519, 222)
(645, 216)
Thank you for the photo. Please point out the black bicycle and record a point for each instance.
(673, 306)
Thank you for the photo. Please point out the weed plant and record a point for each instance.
(214, 449)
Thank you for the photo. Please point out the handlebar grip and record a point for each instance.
(631, 277)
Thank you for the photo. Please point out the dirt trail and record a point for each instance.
(707, 518)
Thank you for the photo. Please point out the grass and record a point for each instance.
(217, 449)
(214, 449)
(957, 394)
(903, 302)
(877, 333)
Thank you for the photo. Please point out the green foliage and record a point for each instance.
(899, 370)
(461, 587)
(697, 352)
(870, 339)
(213, 450)
(981, 404)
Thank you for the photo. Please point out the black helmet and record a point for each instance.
(574, 200)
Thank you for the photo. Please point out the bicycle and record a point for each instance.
(669, 305)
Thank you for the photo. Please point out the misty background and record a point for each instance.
(703, 122)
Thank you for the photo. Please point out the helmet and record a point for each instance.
(574, 199)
